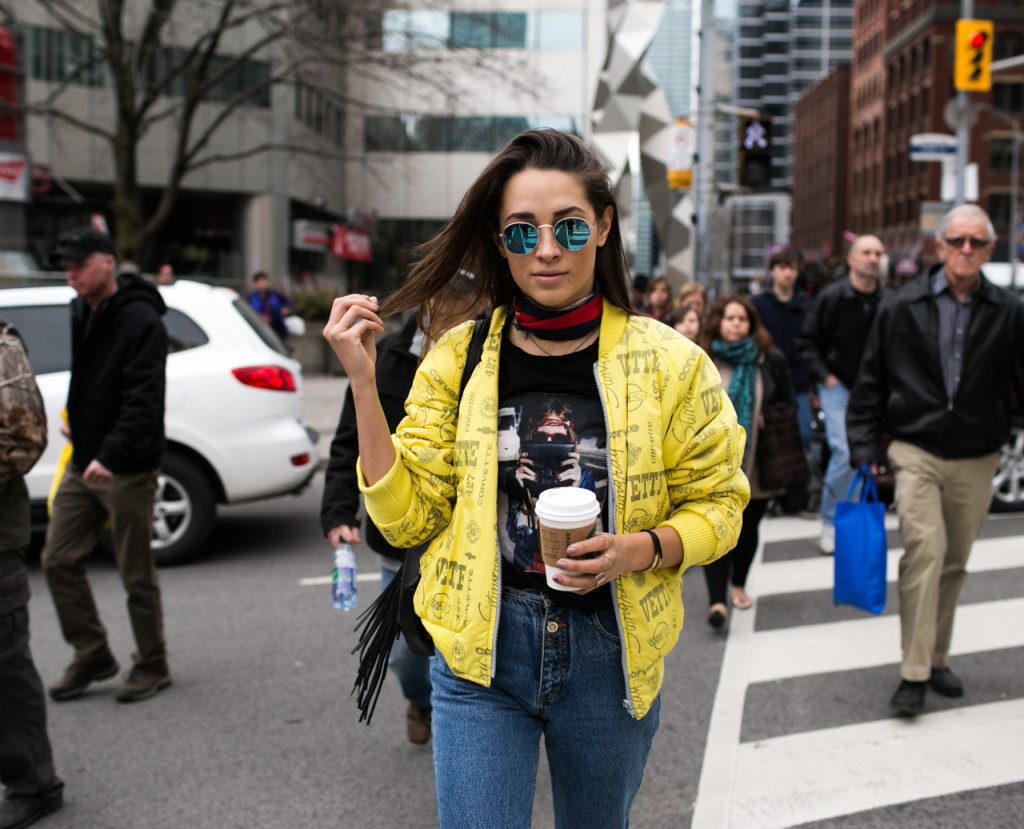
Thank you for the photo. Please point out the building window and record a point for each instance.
(400, 30)
(1009, 97)
(999, 211)
(1001, 155)
(243, 75)
(319, 114)
(488, 30)
(453, 134)
(64, 56)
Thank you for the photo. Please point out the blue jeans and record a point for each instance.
(411, 669)
(559, 673)
(839, 475)
(803, 416)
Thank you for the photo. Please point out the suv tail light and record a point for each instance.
(274, 378)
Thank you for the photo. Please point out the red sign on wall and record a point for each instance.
(347, 243)
(9, 121)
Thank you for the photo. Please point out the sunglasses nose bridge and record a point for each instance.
(547, 242)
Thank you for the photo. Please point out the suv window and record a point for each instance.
(265, 332)
(183, 332)
(46, 330)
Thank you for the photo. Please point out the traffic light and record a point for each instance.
(972, 69)
(755, 152)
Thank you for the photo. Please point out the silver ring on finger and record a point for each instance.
(599, 579)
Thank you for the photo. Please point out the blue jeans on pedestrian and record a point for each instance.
(803, 417)
(559, 674)
(839, 475)
(411, 669)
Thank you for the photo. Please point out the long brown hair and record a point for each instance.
(466, 242)
(712, 328)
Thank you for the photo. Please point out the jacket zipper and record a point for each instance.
(497, 614)
(628, 701)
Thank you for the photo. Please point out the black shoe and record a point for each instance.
(909, 698)
(143, 682)
(79, 675)
(945, 682)
(716, 618)
(20, 811)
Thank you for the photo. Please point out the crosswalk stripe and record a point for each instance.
(875, 640)
(790, 780)
(805, 574)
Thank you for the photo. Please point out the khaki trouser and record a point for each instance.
(79, 513)
(942, 505)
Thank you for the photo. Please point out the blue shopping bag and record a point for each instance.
(861, 549)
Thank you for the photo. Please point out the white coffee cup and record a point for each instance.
(565, 515)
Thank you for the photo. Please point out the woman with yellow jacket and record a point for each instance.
(626, 407)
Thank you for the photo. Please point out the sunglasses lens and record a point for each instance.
(519, 238)
(572, 233)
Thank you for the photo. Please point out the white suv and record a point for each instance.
(233, 409)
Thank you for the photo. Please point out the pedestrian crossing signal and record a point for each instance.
(755, 153)
(972, 69)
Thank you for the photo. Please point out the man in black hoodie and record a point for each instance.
(116, 422)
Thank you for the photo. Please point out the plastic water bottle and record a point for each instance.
(343, 578)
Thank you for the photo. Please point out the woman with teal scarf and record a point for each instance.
(754, 374)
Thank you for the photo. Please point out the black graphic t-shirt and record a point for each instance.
(551, 433)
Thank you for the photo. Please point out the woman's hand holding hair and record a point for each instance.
(350, 332)
(614, 555)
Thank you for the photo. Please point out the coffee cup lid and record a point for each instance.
(568, 502)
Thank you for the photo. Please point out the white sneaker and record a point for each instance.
(827, 544)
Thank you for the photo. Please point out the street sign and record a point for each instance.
(932, 146)
(680, 163)
(951, 110)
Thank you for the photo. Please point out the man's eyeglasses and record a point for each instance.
(571, 233)
(958, 242)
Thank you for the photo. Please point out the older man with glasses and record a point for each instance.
(940, 362)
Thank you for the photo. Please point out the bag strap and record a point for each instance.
(476, 347)
(869, 493)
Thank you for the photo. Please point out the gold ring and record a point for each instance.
(608, 560)
(598, 579)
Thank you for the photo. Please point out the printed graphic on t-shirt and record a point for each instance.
(545, 441)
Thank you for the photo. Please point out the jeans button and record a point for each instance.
(552, 627)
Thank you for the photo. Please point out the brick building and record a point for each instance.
(917, 51)
(821, 161)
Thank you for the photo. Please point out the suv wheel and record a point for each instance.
(1008, 484)
(184, 510)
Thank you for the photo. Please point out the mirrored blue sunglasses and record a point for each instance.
(571, 233)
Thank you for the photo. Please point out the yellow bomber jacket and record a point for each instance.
(674, 450)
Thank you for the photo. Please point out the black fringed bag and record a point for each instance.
(392, 611)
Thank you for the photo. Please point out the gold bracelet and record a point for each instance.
(658, 555)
